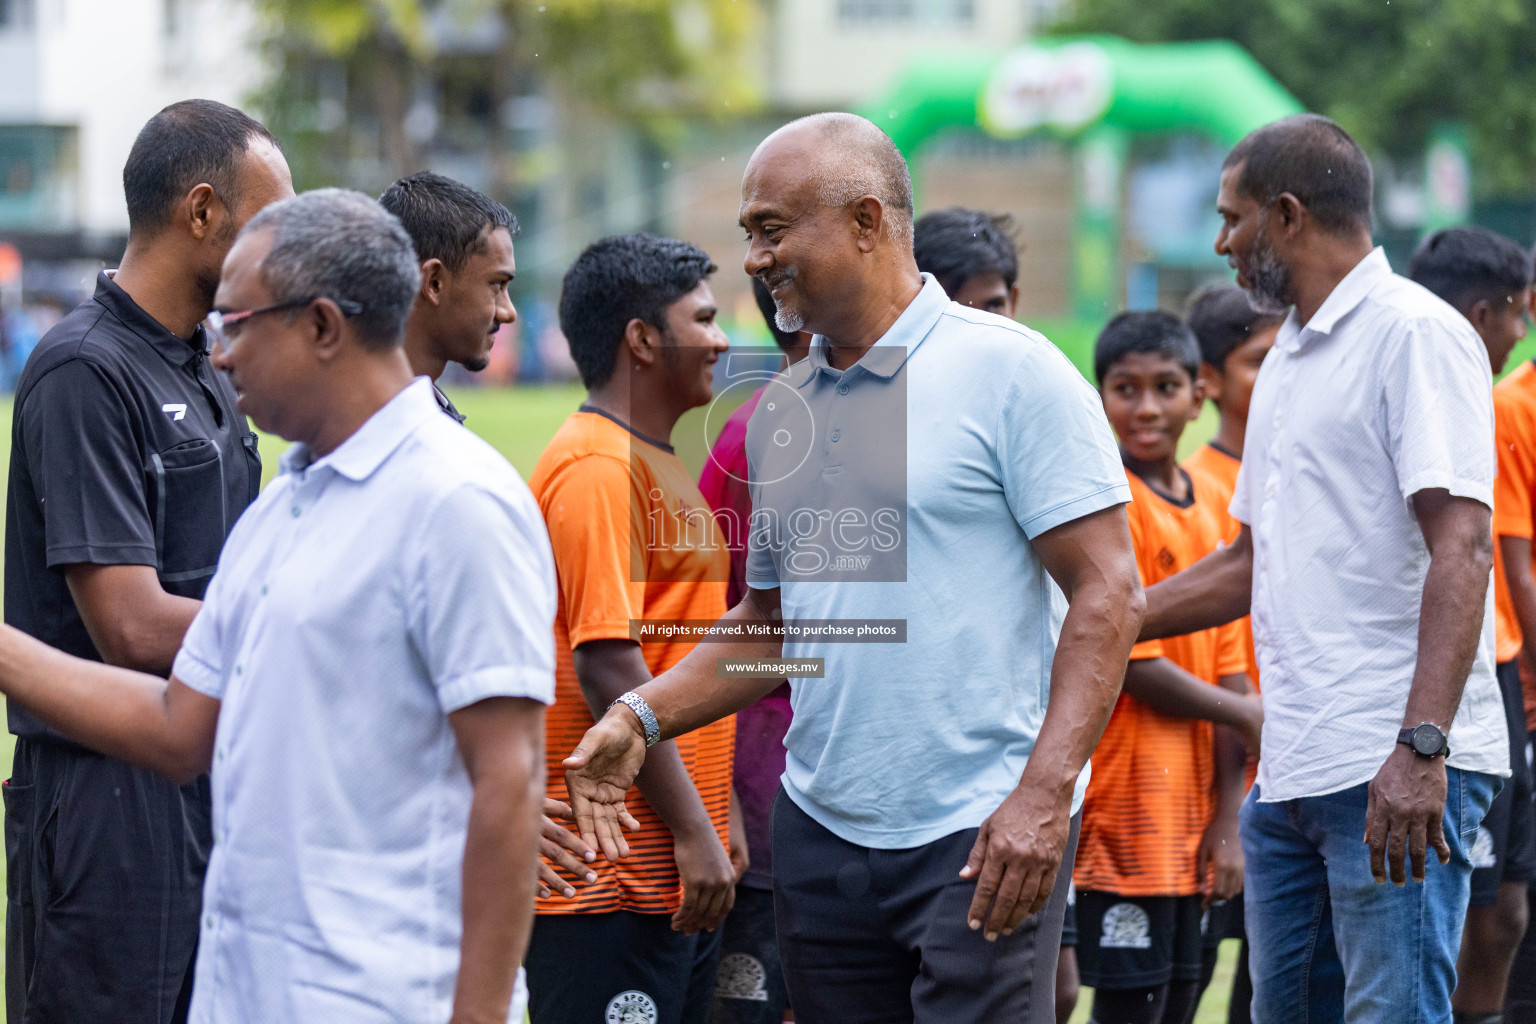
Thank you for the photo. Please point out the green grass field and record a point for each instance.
(519, 422)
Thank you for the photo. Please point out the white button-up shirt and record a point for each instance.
(360, 601)
(1384, 393)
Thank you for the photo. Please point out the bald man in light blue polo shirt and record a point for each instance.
(947, 474)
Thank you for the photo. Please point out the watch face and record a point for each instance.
(1427, 740)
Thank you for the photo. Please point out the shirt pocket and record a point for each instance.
(188, 502)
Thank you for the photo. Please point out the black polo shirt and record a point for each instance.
(126, 449)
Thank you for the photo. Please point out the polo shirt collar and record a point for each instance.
(1349, 293)
(173, 349)
(891, 352)
(370, 445)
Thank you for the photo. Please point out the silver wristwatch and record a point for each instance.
(642, 710)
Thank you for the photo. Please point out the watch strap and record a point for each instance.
(642, 710)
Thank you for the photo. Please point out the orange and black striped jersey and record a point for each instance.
(1149, 800)
(1514, 490)
(633, 540)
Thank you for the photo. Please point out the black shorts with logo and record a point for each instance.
(1505, 848)
(1138, 941)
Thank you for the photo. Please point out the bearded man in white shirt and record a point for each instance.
(1365, 494)
(367, 676)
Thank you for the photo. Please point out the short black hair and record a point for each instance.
(786, 340)
(1153, 332)
(1223, 320)
(618, 279)
(186, 144)
(957, 244)
(1466, 265)
(1316, 161)
(447, 220)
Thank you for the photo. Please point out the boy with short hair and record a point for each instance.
(1487, 278)
(972, 255)
(634, 542)
(1234, 339)
(1160, 817)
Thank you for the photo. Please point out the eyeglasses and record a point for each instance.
(221, 323)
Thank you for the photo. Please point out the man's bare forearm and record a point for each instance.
(117, 711)
(1086, 673)
(693, 693)
(1450, 626)
(1170, 690)
(506, 764)
(1212, 592)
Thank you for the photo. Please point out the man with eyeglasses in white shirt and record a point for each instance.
(368, 673)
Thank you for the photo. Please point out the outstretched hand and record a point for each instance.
(599, 773)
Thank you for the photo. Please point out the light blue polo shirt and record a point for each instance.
(908, 487)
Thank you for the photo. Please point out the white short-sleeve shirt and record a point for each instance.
(361, 600)
(1384, 393)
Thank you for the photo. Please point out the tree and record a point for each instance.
(1386, 70)
(345, 71)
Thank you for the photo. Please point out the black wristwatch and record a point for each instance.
(1426, 740)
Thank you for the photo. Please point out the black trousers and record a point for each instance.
(104, 881)
(880, 936)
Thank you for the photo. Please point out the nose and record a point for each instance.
(758, 258)
(506, 313)
(1146, 405)
(1222, 248)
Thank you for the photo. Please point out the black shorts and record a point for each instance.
(618, 966)
(749, 983)
(1505, 848)
(1138, 941)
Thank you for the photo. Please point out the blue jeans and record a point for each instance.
(1329, 944)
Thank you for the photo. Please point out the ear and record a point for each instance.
(1482, 315)
(1198, 387)
(330, 329)
(642, 343)
(1209, 380)
(869, 220)
(1290, 212)
(434, 281)
(1013, 302)
(201, 207)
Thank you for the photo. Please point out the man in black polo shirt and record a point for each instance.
(129, 465)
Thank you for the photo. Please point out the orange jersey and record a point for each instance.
(1221, 469)
(633, 540)
(1514, 494)
(1149, 800)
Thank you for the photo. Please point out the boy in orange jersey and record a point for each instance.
(1160, 818)
(635, 543)
(1233, 339)
(1487, 278)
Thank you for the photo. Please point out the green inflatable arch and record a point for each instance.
(1096, 91)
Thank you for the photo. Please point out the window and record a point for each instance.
(906, 12)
